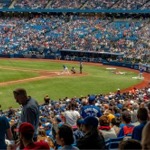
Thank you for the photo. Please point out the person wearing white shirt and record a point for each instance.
(71, 115)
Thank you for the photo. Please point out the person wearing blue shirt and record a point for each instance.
(91, 109)
(128, 127)
(5, 131)
(142, 116)
(78, 133)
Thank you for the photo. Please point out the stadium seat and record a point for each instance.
(112, 144)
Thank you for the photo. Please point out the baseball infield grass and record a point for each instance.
(96, 81)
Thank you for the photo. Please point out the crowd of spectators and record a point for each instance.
(117, 4)
(129, 5)
(146, 5)
(99, 4)
(5, 3)
(78, 4)
(31, 4)
(44, 34)
(82, 122)
(67, 4)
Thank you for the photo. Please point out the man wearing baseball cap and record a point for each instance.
(26, 132)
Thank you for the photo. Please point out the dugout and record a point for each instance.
(89, 56)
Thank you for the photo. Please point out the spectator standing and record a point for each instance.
(92, 139)
(90, 109)
(5, 132)
(30, 109)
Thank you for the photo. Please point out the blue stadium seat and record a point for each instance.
(112, 144)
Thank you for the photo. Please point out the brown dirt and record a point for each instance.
(49, 74)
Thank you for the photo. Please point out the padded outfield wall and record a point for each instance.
(86, 56)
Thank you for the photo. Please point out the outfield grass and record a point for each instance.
(9, 75)
(98, 80)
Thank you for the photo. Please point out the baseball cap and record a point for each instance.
(26, 128)
(117, 115)
(47, 125)
(91, 121)
(91, 97)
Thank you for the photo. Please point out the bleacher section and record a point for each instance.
(78, 4)
(99, 4)
(45, 33)
(67, 4)
(31, 4)
(134, 4)
(73, 29)
(5, 3)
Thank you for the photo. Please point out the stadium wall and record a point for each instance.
(85, 56)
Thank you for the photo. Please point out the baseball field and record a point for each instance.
(44, 77)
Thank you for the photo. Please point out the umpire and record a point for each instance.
(81, 67)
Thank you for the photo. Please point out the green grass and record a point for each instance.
(9, 75)
(98, 80)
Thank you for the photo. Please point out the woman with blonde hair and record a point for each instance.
(43, 137)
